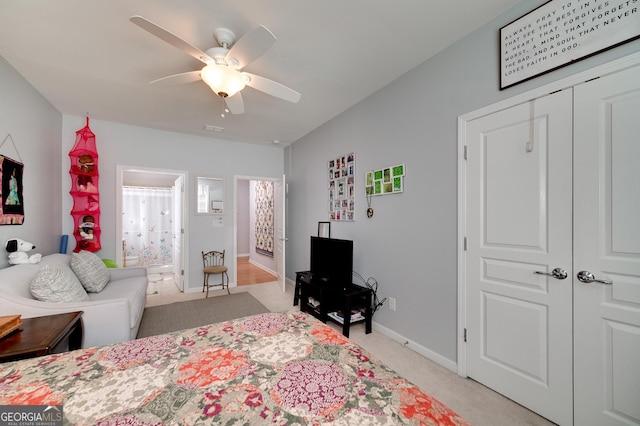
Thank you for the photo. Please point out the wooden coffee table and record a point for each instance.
(43, 336)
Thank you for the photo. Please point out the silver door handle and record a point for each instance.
(587, 277)
(557, 273)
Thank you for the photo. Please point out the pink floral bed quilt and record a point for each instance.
(274, 368)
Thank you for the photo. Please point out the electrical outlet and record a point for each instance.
(392, 303)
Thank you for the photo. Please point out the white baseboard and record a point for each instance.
(192, 289)
(425, 352)
(264, 268)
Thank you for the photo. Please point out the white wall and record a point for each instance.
(137, 146)
(409, 246)
(35, 127)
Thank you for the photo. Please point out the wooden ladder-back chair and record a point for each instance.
(213, 263)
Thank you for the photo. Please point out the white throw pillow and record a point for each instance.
(90, 270)
(51, 284)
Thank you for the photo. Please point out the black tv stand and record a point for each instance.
(334, 299)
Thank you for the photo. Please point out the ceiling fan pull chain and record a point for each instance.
(225, 109)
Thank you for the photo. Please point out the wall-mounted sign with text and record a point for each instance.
(561, 32)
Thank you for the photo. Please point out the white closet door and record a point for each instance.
(519, 222)
(607, 245)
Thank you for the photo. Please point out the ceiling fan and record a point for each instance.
(224, 63)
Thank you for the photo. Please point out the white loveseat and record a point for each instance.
(111, 316)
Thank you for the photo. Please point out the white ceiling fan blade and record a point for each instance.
(272, 88)
(175, 79)
(235, 103)
(250, 47)
(170, 38)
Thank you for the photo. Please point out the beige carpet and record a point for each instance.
(194, 313)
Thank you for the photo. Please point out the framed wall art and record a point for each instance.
(12, 209)
(342, 190)
(561, 32)
(12, 201)
(389, 180)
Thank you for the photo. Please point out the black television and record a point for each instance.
(331, 261)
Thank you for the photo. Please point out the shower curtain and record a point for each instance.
(147, 224)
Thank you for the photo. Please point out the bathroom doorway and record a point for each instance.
(150, 225)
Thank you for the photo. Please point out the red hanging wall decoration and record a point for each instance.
(84, 191)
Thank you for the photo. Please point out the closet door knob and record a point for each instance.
(557, 273)
(587, 277)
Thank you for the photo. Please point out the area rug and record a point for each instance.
(194, 313)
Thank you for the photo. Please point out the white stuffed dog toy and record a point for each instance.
(18, 249)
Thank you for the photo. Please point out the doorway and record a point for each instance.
(258, 229)
(151, 205)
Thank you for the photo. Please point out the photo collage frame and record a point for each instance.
(342, 190)
(389, 180)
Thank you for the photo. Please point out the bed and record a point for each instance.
(275, 368)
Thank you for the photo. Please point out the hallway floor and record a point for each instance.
(248, 273)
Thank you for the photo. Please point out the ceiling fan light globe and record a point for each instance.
(223, 80)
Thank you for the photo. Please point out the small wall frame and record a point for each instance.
(12, 205)
(324, 229)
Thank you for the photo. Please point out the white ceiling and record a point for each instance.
(86, 57)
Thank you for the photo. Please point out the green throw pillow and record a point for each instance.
(51, 284)
(90, 270)
(109, 263)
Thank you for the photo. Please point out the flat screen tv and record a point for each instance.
(331, 261)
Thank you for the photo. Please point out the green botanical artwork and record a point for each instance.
(398, 170)
(389, 180)
(369, 180)
(397, 184)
